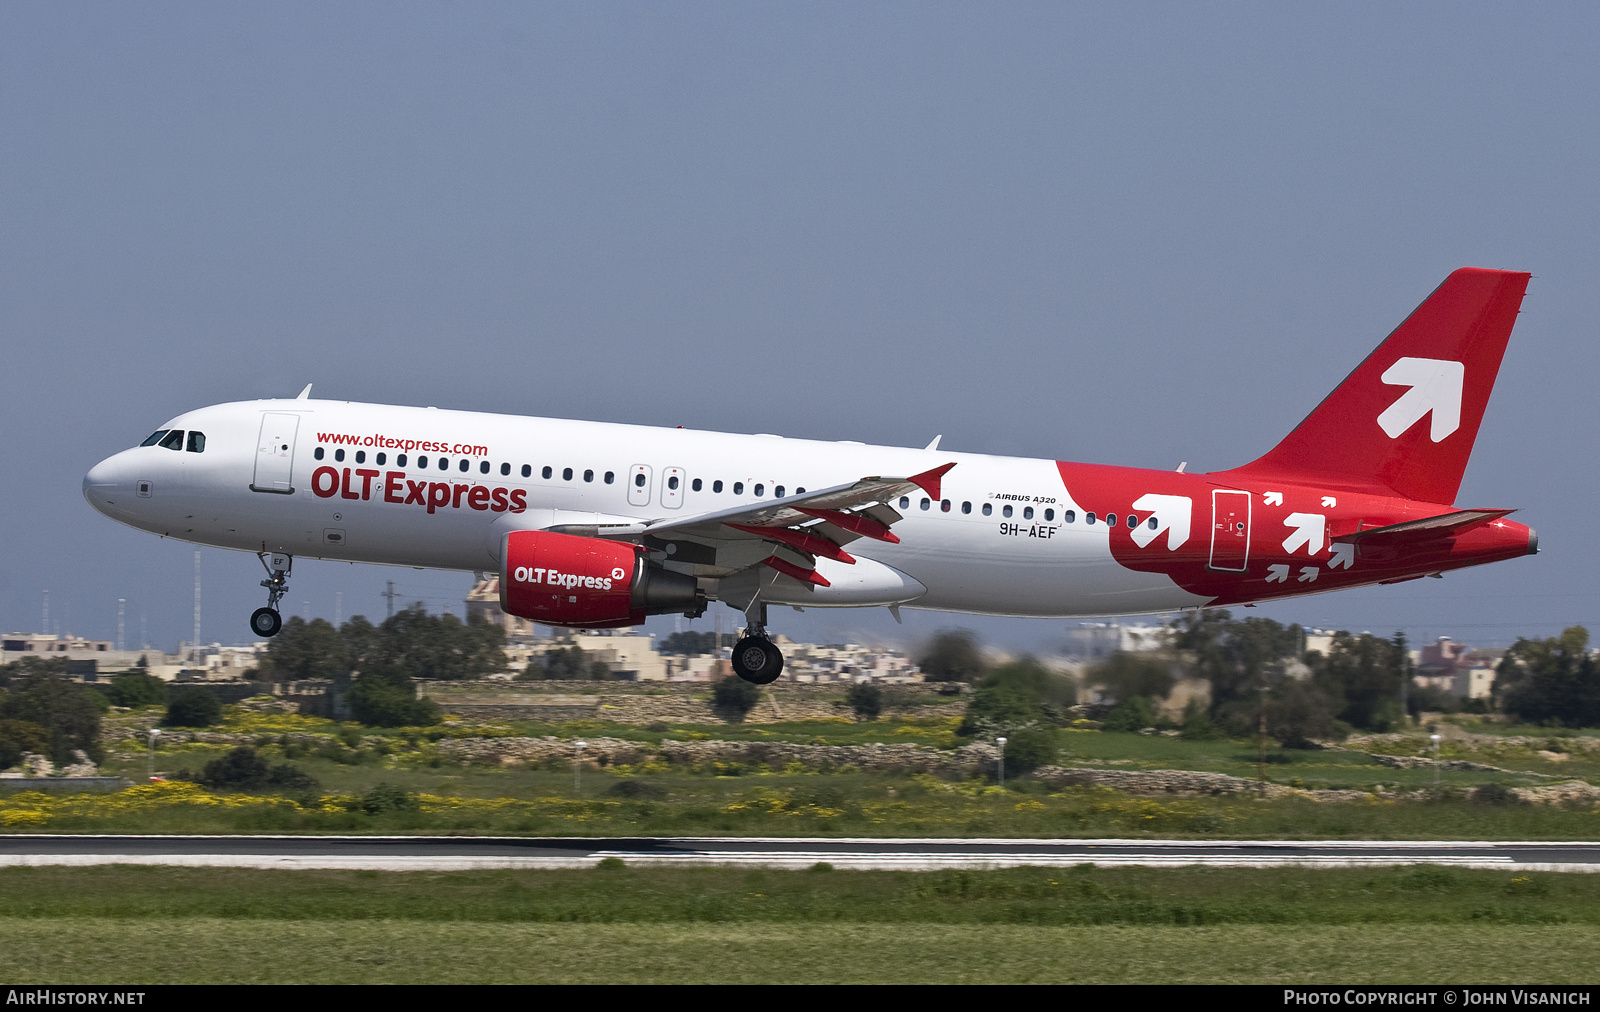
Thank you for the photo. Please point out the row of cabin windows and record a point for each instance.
(1067, 516)
(173, 439)
(759, 489)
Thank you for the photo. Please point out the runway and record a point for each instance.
(424, 853)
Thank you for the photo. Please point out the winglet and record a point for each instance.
(305, 395)
(935, 444)
(929, 480)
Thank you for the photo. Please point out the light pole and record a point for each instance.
(577, 765)
(1002, 767)
(150, 757)
(1435, 739)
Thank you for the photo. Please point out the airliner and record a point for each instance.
(597, 524)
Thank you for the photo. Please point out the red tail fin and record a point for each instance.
(1403, 423)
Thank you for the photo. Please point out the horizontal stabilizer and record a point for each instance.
(1445, 525)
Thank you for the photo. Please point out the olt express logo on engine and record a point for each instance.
(360, 483)
(567, 581)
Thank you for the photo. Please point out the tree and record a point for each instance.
(1135, 714)
(734, 698)
(1360, 678)
(1031, 747)
(304, 649)
(1297, 712)
(192, 706)
(68, 713)
(1001, 708)
(865, 699)
(566, 663)
(19, 736)
(1552, 680)
(1239, 659)
(413, 644)
(1126, 675)
(952, 657)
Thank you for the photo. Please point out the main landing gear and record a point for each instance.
(265, 622)
(755, 658)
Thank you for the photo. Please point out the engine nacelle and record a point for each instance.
(565, 580)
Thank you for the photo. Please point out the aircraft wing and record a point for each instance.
(795, 529)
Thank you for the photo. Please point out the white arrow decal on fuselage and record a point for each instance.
(1435, 386)
(1344, 554)
(1171, 515)
(1308, 531)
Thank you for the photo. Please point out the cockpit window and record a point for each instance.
(197, 441)
(155, 437)
(173, 440)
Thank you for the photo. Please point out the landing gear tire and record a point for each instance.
(265, 622)
(757, 661)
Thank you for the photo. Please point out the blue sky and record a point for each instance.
(1118, 233)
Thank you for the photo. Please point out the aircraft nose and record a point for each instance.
(106, 484)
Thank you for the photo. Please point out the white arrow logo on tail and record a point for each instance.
(1272, 498)
(1435, 386)
(1308, 531)
(1171, 515)
(1344, 555)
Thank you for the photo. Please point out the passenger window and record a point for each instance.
(988, 508)
(716, 486)
(317, 453)
(400, 460)
(1069, 517)
(588, 475)
(382, 458)
(944, 505)
(799, 491)
(778, 491)
(1111, 520)
(1049, 514)
(1005, 510)
(546, 472)
(197, 442)
(672, 483)
(760, 489)
(338, 454)
(422, 460)
(905, 503)
(566, 474)
(966, 507)
(638, 481)
(155, 437)
(1088, 518)
(465, 465)
(1133, 521)
(361, 455)
(738, 488)
(504, 468)
(926, 503)
(1027, 512)
(695, 485)
(483, 468)
(444, 463)
(174, 440)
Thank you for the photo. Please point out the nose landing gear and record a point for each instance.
(266, 622)
(755, 658)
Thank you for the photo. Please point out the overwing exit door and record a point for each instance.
(275, 453)
(1230, 530)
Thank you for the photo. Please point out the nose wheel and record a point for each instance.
(265, 622)
(756, 659)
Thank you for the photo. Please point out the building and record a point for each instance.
(1094, 641)
(483, 600)
(1457, 668)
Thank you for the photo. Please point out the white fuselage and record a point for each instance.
(382, 505)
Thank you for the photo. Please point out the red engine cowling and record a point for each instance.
(566, 580)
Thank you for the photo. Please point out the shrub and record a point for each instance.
(242, 767)
(1133, 715)
(1198, 725)
(387, 797)
(734, 698)
(133, 688)
(1028, 749)
(19, 736)
(1494, 794)
(952, 657)
(865, 699)
(637, 790)
(193, 706)
(1000, 709)
(386, 701)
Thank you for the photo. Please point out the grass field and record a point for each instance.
(1416, 925)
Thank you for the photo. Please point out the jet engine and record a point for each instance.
(590, 583)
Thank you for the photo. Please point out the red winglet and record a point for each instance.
(929, 480)
(798, 539)
(790, 569)
(863, 526)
